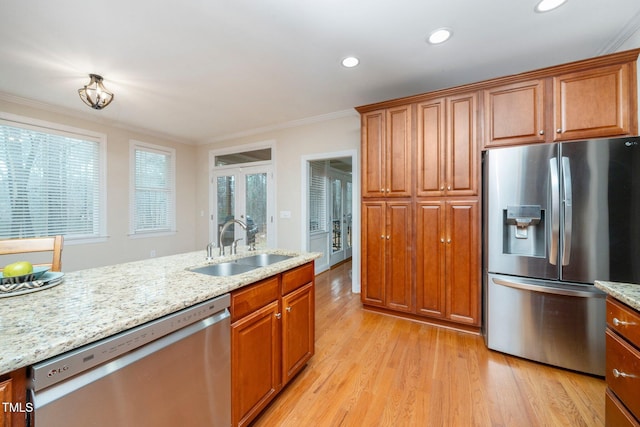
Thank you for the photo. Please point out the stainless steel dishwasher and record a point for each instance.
(173, 371)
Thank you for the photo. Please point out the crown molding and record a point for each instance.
(632, 27)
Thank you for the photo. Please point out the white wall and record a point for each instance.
(118, 246)
(291, 144)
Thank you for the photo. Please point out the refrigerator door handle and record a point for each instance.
(555, 210)
(546, 289)
(568, 211)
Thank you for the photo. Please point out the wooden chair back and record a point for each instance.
(36, 244)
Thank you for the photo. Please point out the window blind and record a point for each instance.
(154, 193)
(317, 196)
(49, 184)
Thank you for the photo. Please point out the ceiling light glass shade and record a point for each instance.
(350, 62)
(547, 5)
(440, 35)
(94, 94)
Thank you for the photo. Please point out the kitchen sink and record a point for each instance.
(263, 260)
(224, 269)
(241, 265)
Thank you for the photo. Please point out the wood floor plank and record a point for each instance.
(371, 369)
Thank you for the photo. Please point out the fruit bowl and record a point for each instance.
(34, 275)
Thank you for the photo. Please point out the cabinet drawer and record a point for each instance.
(624, 320)
(616, 415)
(251, 298)
(293, 279)
(623, 371)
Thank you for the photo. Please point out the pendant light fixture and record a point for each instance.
(94, 94)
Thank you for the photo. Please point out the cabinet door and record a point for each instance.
(399, 283)
(373, 253)
(6, 395)
(594, 103)
(514, 114)
(462, 153)
(430, 257)
(431, 148)
(398, 155)
(298, 325)
(255, 363)
(373, 154)
(463, 262)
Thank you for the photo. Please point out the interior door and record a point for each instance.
(245, 194)
(337, 226)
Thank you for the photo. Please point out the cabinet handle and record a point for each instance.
(619, 374)
(388, 191)
(442, 240)
(448, 240)
(558, 130)
(617, 322)
(382, 190)
(541, 132)
(382, 237)
(449, 188)
(278, 315)
(442, 188)
(288, 309)
(388, 237)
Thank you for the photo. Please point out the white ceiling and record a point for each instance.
(200, 71)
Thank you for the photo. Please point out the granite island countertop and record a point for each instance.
(628, 293)
(99, 302)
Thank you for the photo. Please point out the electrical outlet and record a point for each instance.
(152, 254)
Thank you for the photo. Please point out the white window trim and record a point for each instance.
(171, 152)
(24, 122)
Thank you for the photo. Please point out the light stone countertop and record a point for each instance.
(628, 293)
(96, 303)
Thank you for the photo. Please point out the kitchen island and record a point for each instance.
(96, 303)
(622, 402)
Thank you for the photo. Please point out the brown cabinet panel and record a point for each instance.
(6, 395)
(430, 256)
(615, 414)
(593, 103)
(373, 253)
(462, 265)
(255, 362)
(462, 167)
(250, 298)
(296, 277)
(298, 330)
(386, 153)
(514, 114)
(431, 148)
(373, 153)
(623, 371)
(398, 256)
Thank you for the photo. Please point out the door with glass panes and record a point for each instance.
(244, 194)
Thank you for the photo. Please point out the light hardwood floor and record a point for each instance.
(376, 370)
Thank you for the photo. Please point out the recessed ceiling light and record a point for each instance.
(440, 35)
(350, 61)
(547, 5)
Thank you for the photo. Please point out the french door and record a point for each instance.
(245, 194)
(341, 217)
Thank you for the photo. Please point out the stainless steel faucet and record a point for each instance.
(234, 246)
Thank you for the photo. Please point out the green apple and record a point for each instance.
(19, 268)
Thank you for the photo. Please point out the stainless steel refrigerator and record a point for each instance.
(557, 217)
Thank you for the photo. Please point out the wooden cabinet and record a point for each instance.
(386, 153)
(448, 257)
(13, 396)
(592, 102)
(595, 103)
(514, 113)
(272, 338)
(622, 365)
(386, 255)
(446, 145)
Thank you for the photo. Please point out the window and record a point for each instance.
(153, 189)
(317, 196)
(51, 180)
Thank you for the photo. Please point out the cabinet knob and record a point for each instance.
(620, 374)
(449, 187)
(442, 240)
(382, 190)
(448, 240)
(278, 315)
(388, 237)
(388, 190)
(382, 237)
(442, 188)
(541, 132)
(288, 309)
(558, 130)
(618, 322)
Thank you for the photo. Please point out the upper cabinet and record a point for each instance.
(590, 99)
(447, 150)
(386, 152)
(594, 103)
(514, 113)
